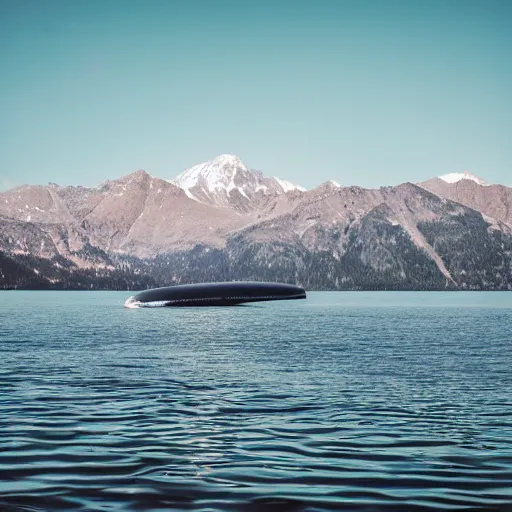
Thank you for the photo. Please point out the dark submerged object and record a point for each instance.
(215, 294)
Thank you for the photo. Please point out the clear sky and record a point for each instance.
(364, 92)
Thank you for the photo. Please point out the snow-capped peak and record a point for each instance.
(217, 173)
(288, 185)
(455, 177)
(214, 181)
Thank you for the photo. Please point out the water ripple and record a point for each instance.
(341, 402)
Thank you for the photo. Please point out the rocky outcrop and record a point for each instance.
(495, 201)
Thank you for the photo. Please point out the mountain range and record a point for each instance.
(221, 220)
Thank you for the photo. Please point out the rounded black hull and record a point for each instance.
(215, 294)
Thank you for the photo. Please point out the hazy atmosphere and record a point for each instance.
(369, 93)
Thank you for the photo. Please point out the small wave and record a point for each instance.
(135, 304)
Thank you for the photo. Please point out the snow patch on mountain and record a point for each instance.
(289, 186)
(217, 179)
(216, 174)
(455, 177)
(187, 192)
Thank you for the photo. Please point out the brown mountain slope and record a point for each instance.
(325, 217)
(136, 214)
(492, 200)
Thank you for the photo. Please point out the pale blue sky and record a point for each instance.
(364, 92)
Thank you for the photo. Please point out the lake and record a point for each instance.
(395, 401)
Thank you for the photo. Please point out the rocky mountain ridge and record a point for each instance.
(227, 181)
(494, 201)
(221, 220)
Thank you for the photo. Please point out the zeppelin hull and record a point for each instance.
(215, 294)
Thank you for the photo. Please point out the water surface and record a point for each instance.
(357, 401)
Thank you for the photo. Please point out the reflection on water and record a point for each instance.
(357, 401)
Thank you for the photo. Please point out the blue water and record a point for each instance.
(358, 401)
